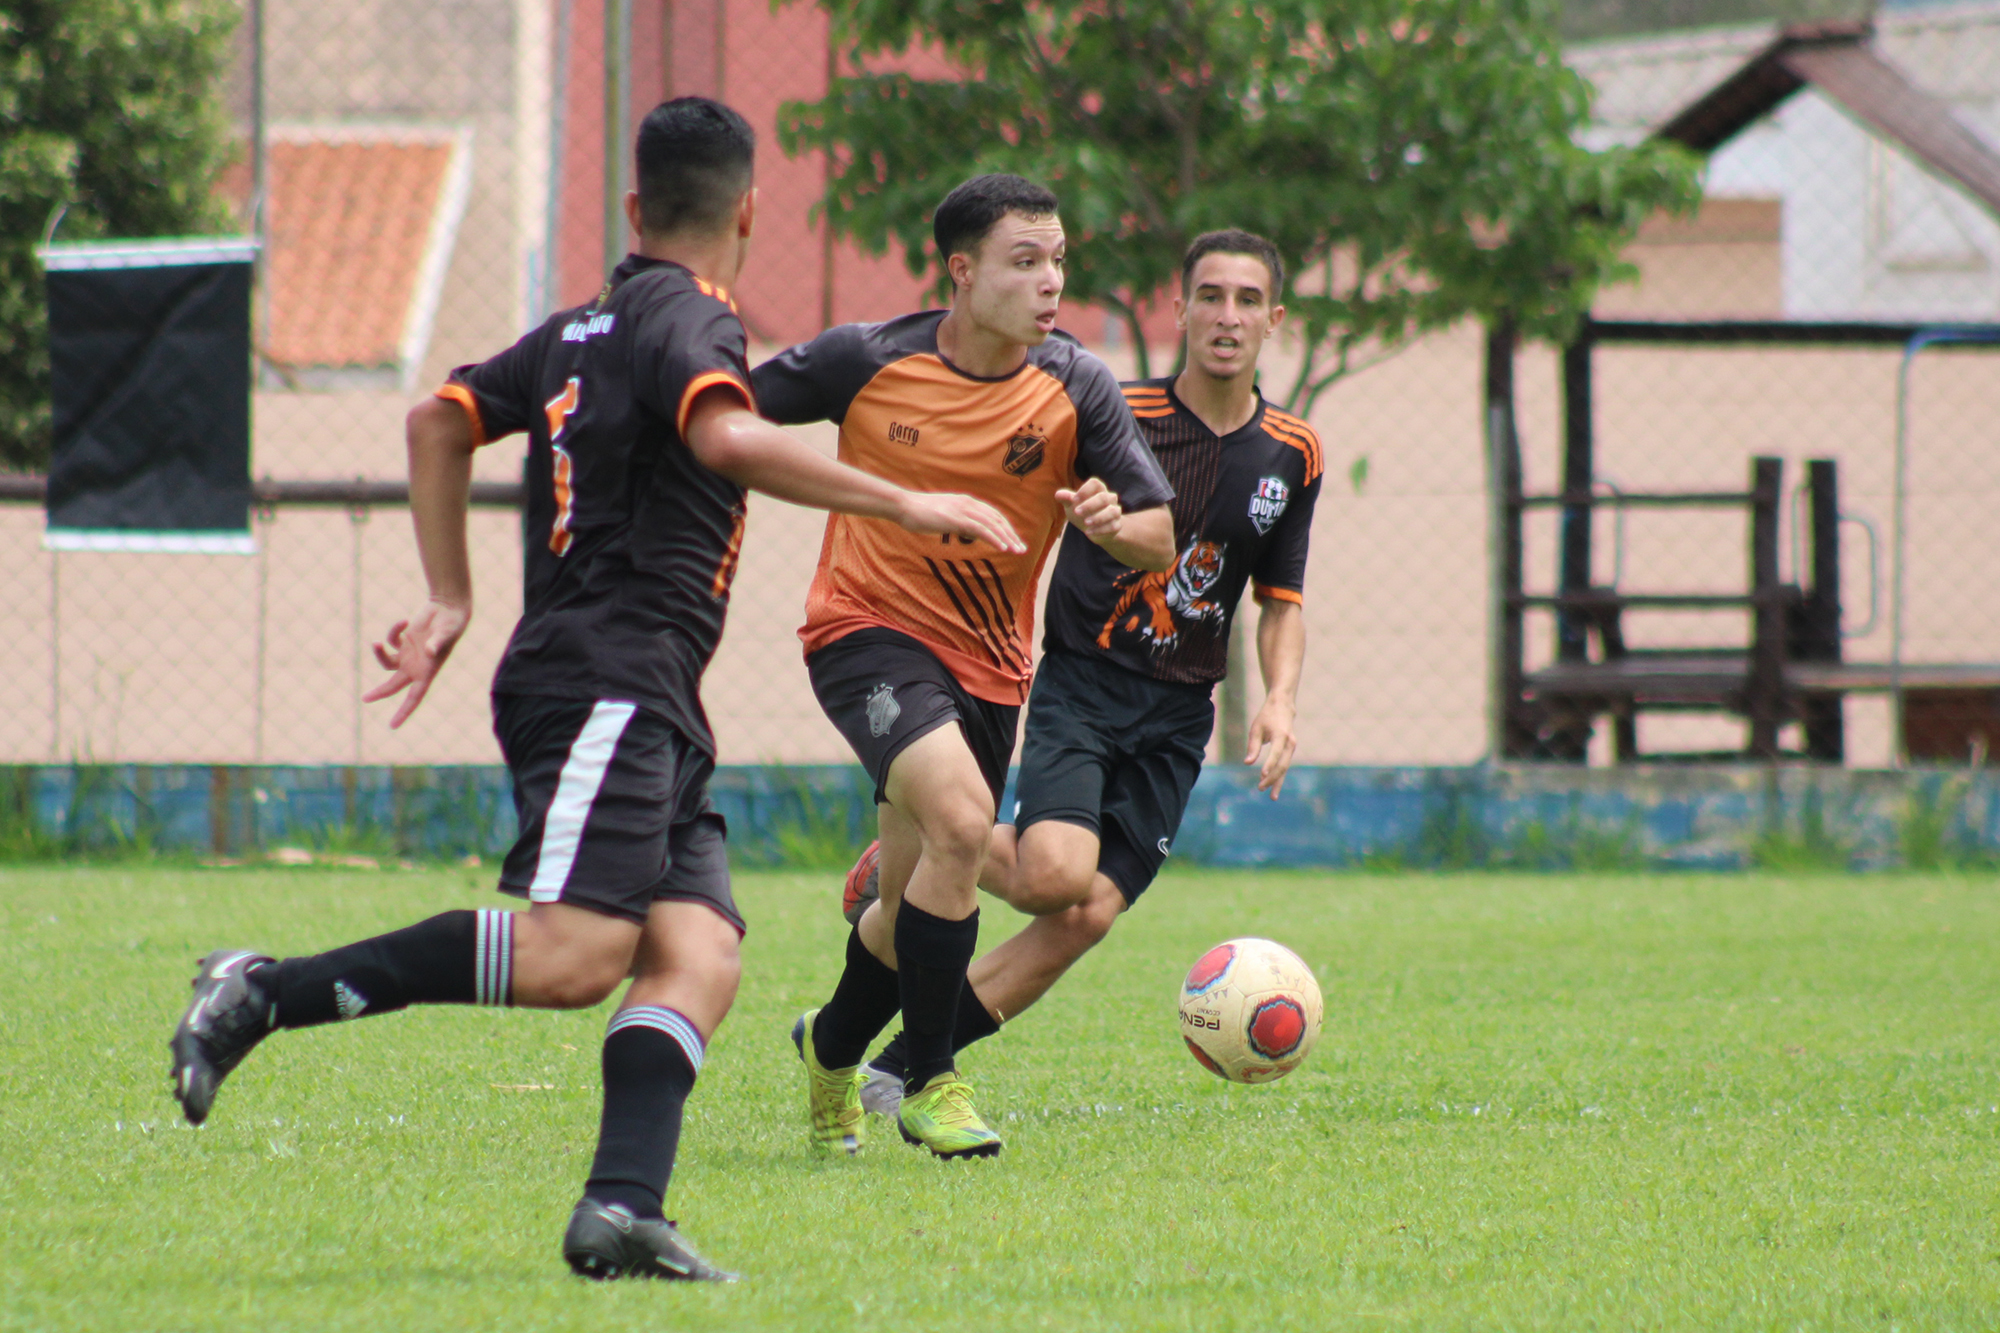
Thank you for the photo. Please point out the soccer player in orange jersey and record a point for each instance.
(1121, 712)
(919, 649)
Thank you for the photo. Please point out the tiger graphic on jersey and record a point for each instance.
(1156, 606)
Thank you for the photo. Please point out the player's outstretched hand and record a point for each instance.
(1093, 507)
(1272, 727)
(963, 517)
(412, 652)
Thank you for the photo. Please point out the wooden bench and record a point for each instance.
(1790, 670)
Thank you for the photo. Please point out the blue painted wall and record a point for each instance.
(1529, 817)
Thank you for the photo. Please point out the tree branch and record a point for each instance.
(1129, 314)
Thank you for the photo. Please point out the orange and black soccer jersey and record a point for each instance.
(1243, 507)
(907, 414)
(631, 542)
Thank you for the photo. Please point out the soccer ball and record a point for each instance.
(1250, 1011)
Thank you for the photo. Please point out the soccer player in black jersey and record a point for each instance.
(641, 441)
(1121, 712)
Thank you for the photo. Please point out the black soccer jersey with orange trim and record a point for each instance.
(909, 415)
(1243, 507)
(631, 542)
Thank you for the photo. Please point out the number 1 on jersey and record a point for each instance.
(559, 409)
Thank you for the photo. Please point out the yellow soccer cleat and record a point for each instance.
(940, 1117)
(833, 1096)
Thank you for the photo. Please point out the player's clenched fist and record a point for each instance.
(1093, 507)
(960, 516)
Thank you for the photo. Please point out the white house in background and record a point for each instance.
(1868, 228)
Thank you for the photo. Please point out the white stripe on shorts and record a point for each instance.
(582, 774)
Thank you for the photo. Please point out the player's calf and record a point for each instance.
(685, 974)
(240, 997)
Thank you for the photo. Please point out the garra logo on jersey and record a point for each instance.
(1025, 452)
(577, 330)
(1270, 500)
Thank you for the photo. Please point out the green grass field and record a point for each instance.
(1544, 1102)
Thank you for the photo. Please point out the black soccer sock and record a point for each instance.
(453, 958)
(973, 1024)
(931, 955)
(651, 1057)
(864, 1001)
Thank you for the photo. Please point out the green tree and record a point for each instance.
(1416, 161)
(110, 110)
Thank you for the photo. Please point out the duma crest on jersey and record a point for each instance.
(1268, 502)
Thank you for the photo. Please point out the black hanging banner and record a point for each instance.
(149, 349)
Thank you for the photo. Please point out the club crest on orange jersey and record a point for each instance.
(1025, 451)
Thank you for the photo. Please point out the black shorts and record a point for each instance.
(613, 807)
(883, 690)
(1116, 752)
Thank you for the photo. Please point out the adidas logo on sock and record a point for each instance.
(349, 1000)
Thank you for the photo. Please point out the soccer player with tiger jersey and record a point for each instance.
(1121, 713)
(919, 650)
(642, 439)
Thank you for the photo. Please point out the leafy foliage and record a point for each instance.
(1416, 161)
(112, 113)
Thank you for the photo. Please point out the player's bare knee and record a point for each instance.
(1044, 886)
(959, 830)
(719, 969)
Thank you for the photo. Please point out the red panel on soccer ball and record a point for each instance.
(1277, 1027)
(1210, 968)
(1206, 1062)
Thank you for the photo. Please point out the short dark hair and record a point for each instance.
(1234, 241)
(694, 157)
(968, 213)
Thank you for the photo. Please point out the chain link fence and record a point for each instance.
(430, 181)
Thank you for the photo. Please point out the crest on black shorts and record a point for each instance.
(883, 710)
(1024, 453)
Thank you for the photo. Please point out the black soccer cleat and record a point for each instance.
(605, 1241)
(229, 1015)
